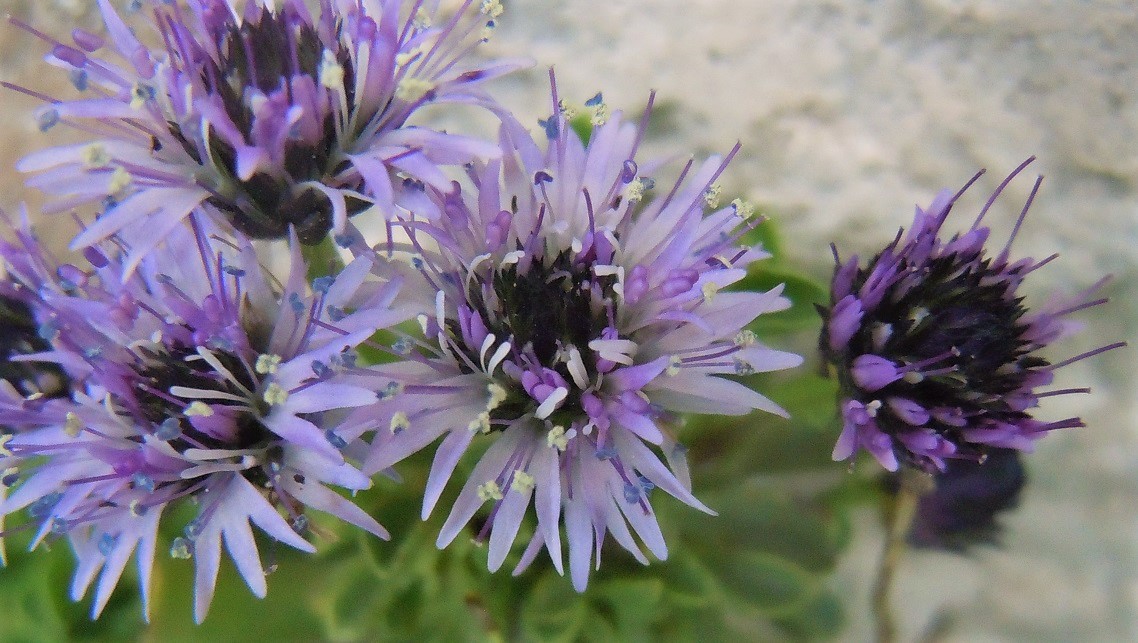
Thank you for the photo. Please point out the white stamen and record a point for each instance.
(204, 394)
(497, 357)
(872, 407)
(486, 344)
(577, 369)
(546, 408)
(620, 351)
(511, 258)
(440, 310)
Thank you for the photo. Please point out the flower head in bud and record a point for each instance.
(937, 355)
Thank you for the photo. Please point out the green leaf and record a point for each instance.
(635, 603)
(768, 583)
(553, 612)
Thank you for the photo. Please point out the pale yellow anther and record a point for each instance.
(489, 491)
(491, 8)
(331, 71)
(872, 408)
(422, 19)
(745, 338)
(480, 424)
(711, 195)
(600, 114)
(199, 408)
(635, 192)
(4, 440)
(400, 422)
(913, 377)
(674, 364)
(140, 93)
(267, 364)
(120, 181)
(523, 481)
(412, 89)
(709, 290)
(556, 438)
(72, 426)
(744, 209)
(497, 395)
(409, 55)
(567, 110)
(95, 157)
(275, 395)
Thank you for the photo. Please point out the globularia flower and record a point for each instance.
(571, 317)
(199, 379)
(936, 353)
(273, 119)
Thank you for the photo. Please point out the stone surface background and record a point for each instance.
(850, 113)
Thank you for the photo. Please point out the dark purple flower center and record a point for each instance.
(19, 335)
(546, 310)
(550, 307)
(169, 415)
(279, 55)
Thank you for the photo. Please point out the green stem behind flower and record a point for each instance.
(323, 259)
(913, 485)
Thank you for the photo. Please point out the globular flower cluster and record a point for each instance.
(937, 355)
(270, 120)
(554, 307)
(197, 378)
(196, 361)
(572, 317)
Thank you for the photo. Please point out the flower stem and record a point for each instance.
(913, 484)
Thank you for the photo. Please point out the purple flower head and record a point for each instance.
(962, 510)
(572, 312)
(199, 379)
(273, 118)
(936, 353)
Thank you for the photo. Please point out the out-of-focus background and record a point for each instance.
(850, 113)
